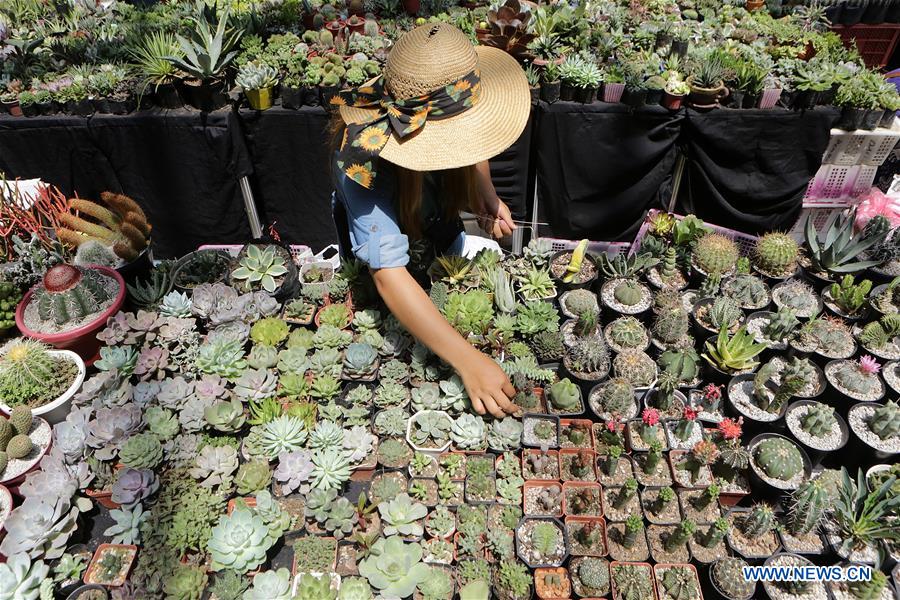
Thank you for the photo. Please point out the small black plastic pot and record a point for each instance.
(634, 98)
(870, 119)
(851, 118)
(736, 99)
(584, 95)
(750, 100)
(30, 110)
(852, 14)
(291, 97)
(823, 555)
(566, 93)
(817, 456)
(311, 96)
(833, 13)
(81, 108)
(653, 97)
(761, 488)
(166, 96)
(805, 99)
(139, 268)
(550, 91)
(46, 108)
(206, 95)
(679, 48)
(887, 119)
(535, 94)
(752, 426)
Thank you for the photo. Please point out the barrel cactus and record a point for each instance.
(715, 253)
(581, 301)
(617, 396)
(776, 254)
(589, 356)
(778, 458)
(859, 378)
(636, 367)
(671, 325)
(30, 375)
(818, 420)
(680, 583)
(728, 575)
(68, 293)
(628, 293)
(885, 421)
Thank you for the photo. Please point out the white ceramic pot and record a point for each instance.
(57, 411)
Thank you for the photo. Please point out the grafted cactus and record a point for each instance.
(680, 535)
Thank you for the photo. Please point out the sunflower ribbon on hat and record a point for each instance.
(363, 142)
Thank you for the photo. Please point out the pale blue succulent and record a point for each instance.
(505, 434)
(358, 442)
(331, 468)
(175, 304)
(270, 585)
(20, 578)
(427, 397)
(453, 394)
(394, 568)
(239, 541)
(126, 529)
(40, 527)
(468, 432)
(262, 357)
(120, 358)
(282, 434)
(326, 434)
(293, 361)
(222, 356)
(403, 516)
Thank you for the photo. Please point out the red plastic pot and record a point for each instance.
(81, 340)
(672, 102)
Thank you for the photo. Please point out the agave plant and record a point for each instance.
(838, 249)
(206, 53)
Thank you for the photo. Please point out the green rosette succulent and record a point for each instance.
(394, 568)
(239, 541)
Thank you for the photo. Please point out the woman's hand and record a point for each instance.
(488, 386)
(493, 215)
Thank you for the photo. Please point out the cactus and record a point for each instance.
(652, 458)
(634, 524)
(617, 396)
(632, 582)
(780, 325)
(728, 574)
(683, 363)
(885, 421)
(818, 420)
(635, 366)
(759, 521)
(666, 385)
(611, 462)
(808, 505)
(869, 590)
(69, 293)
(671, 325)
(857, 378)
(586, 324)
(680, 535)
(679, 583)
(848, 295)
(669, 269)
(715, 533)
(715, 253)
(707, 496)
(626, 493)
(723, 312)
(6, 432)
(21, 419)
(628, 293)
(627, 332)
(19, 446)
(747, 290)
(762, 388)
(710, 286)
(663, 497)
(580, 301)
(123, 225)
(589, 356)
(95, 252)
(878, 333)
(779, 458)
(776, 254)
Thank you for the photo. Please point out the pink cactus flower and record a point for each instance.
(868, 365)
(650, 416)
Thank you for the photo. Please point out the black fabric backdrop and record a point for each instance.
(598, 167)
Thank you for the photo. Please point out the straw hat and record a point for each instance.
(430, 57)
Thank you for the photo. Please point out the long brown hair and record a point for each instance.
(457, 188)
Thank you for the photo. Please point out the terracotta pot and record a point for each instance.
(81, 340)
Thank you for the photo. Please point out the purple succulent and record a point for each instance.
(116, 330)
(145, 392)
(142, 326)
(111, 427)
(174, 392)
(209, 387)
(152, 363)
(293, 471)
(174, 329)
(133, 486)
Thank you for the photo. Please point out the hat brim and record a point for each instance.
(479, 133)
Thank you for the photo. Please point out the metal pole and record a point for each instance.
(250, 208)
(676, 182)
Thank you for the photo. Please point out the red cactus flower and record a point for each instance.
(731, 429)
(690, 414)
(613, 425)
(650, 416)
(712, 391)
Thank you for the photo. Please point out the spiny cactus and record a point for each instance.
(715, 253)
(680, 535)
(857, 378)
(635, 366)
(663, 497)
(679, 583)
(628, 293)
(625, 493)
(707, 496)
(586, 324)
(776, 254)
(632, 581)
(123, 225)
(878, 333)
(818, 420)
(68, 293)
(710, 286)
(580, 301)
(634, 524)
(781, 325)
(779, 458)
(627, 332)
(671, 325)
(728, 574)
(808, 504)
(763, 386)
(869, 590)
(885, 421)
(747, 290)
(724, 312)
(589, 356)
(759, 521)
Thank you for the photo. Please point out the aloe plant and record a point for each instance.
(734, 353)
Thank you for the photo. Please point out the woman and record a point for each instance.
(413, 152)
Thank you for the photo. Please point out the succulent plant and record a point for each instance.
(68, 294)
(758, 521)
(283, 434)
(636, 367)
(565, 396)
(632, 581)
(239, 541)
(733, 353)
(141, 451)
(776, 254)
(818, 420)
(393, 567)
(221, 356)
(617, 396)
(186, 582)
(505, 434)
(359, 360)
(133, 485)
(680, 583)
(808, 505)
(314, 587)
(20, 577)
(628, 293)
(40, 527)
(294, 470)
(715, 254)
(723, 312)
(331, 468)
(259, 265)
(838, 250)
(869, 590)
(778, 458)
(252, 476)
(680, 535)
(402, 516)
(747, 290)
(728, 575)
(227, 417)
(430, 428)
(885, 420)
(671, 325)
(215, 466)
(468, 432)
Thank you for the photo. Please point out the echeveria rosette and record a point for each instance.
(394, 568)
(239, 542)
(41, 526)
(20, 578)
(402, 515)
(133, 485)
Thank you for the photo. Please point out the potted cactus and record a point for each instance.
(858, 380)
(806, 512)
(541, 542)
(677, 581)
(876, 429)
(632, 581)
(727, 577)
(110, 564)
(590, 576)
(552, 583)
(45, 380)
(818, 428)
(751, 531)
(777, 465)
(792, 589)
(69, 306)
(258, 80)
(24, 440)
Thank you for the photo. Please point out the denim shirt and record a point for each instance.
(369, 228)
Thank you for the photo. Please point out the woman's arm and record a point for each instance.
(486, 383)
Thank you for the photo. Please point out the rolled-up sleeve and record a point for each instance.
(374, 231)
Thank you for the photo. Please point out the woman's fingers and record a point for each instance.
(508, 389)
(505, 404)
(477, 405)
(492, 407)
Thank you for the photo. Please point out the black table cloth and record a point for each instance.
(598, 167)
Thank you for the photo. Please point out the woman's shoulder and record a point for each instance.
(382, 184)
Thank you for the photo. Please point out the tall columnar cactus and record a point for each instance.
(808, 504)
(626, 492)
(715, 533)
(869, 590)
(776, 254)
(68, 293)
(707, 496)
(651, 460)
(680, 535)
(759, 521)
(779, 458)
(885, 421)
(818, 420)
(634, 524)
(669, 268)
(671, 325)
(121, 224)
(663, 497)
(715, 253)
(611, 462)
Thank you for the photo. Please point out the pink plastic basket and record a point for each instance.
(611, 248)
(745, 242)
